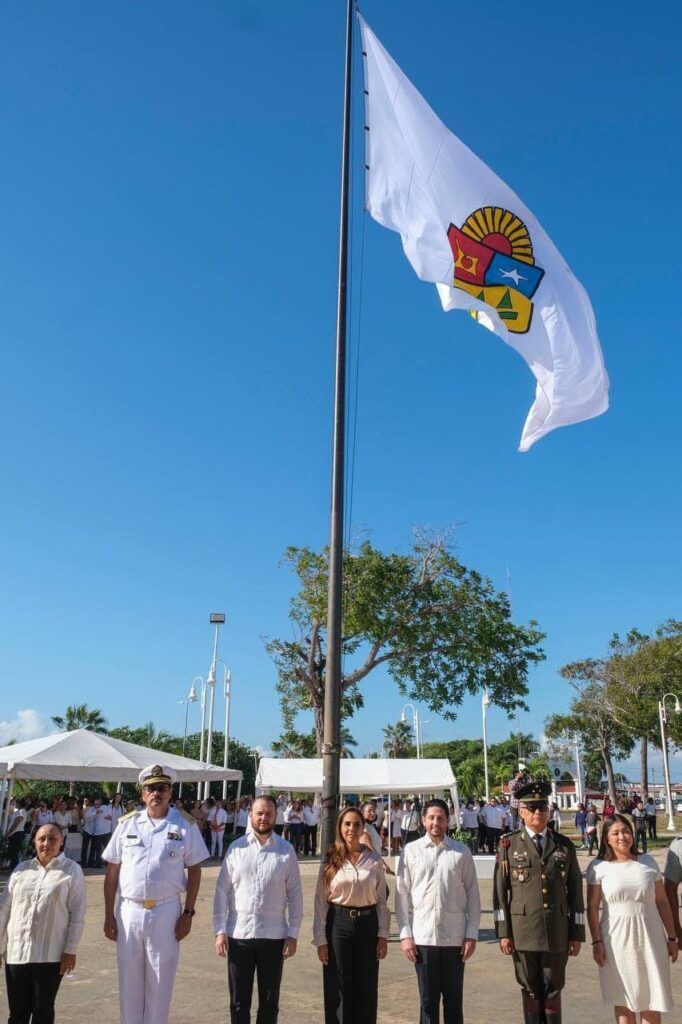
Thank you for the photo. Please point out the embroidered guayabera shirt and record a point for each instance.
(437, 900)
(259, 893)
(42, 911)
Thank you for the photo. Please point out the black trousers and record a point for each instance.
(85, 848)
(440, 974)
(651, 822)
(640, 834)
(540, 974)
(351, 978)
(32, 990)
(16, 841)
(262, 957)
(310, 839)
(97, 844)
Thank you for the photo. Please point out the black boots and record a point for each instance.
(553, 1008)
(532, 1010)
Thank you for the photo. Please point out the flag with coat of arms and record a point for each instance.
(466, 231)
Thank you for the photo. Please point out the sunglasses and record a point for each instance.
(161, 788)
(539, 806)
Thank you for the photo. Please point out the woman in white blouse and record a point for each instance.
(42, 917)
(350, 925)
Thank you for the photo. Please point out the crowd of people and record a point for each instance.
(154, 849)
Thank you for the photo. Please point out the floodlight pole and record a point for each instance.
(331, 746)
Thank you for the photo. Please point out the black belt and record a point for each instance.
(353, 911)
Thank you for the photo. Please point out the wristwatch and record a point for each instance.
(189, 913)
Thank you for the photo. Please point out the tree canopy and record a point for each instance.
(440, 629)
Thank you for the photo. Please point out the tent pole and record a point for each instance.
(10, 790)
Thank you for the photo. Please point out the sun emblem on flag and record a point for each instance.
(494, 262)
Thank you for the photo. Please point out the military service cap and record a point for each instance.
(156, 774)
(533, 791)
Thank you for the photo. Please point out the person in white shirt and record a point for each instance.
(42, 917)
(63, 818)
(438, 908)
(154, 859)
(217, 820)
(15, 832)
(493, 817)
(279, 820)
(311, 817)
(469, 818)
(42, 816)
(257, 914)
(116, 809)
(98, 817)
(409, 823)
(242, 816)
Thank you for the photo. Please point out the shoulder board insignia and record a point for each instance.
(127, 817)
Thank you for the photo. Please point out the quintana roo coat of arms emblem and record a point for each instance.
(494, 262)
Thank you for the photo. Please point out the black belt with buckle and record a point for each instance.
(353, 911)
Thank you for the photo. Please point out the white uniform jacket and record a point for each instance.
(154, 854)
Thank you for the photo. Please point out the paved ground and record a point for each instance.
(201, 987)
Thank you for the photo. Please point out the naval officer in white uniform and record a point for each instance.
(154, 859)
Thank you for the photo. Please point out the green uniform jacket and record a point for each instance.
(538, 903)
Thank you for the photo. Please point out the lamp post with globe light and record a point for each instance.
(191, 698)
(415, 725)
(663, 718)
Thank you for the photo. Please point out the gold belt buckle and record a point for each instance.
(148, 904)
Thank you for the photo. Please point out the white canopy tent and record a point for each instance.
(359, 775)
(84, 756)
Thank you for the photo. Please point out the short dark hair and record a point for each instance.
(266, 796)
(436, 802)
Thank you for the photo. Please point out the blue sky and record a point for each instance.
(169, 204)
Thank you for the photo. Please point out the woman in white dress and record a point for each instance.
(632, 942)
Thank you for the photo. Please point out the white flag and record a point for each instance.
(466, 231)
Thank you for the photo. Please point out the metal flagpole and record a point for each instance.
(332, 691)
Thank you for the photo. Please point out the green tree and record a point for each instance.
(148, 736)
(399, 740)
(640, 669)
(440, 629)
(80, 716)
(590, 719)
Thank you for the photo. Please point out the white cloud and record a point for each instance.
(26, 725)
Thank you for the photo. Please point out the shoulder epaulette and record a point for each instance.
(124, 817)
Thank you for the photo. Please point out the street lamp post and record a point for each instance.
(485, 703)
(217, 619)
(415, 725)
(662, 715)
(226, 744)
(191, 698)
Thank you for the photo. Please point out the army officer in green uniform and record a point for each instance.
(538, 902)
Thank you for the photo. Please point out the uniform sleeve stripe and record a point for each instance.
(499, 915)
(579, 918)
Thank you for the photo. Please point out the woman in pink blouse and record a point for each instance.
(351, 922)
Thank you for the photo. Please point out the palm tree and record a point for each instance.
(347, 741)
(150, 736)
(80, 716)
(398, 740)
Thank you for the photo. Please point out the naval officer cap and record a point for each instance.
(534, 791)
(157, 775)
